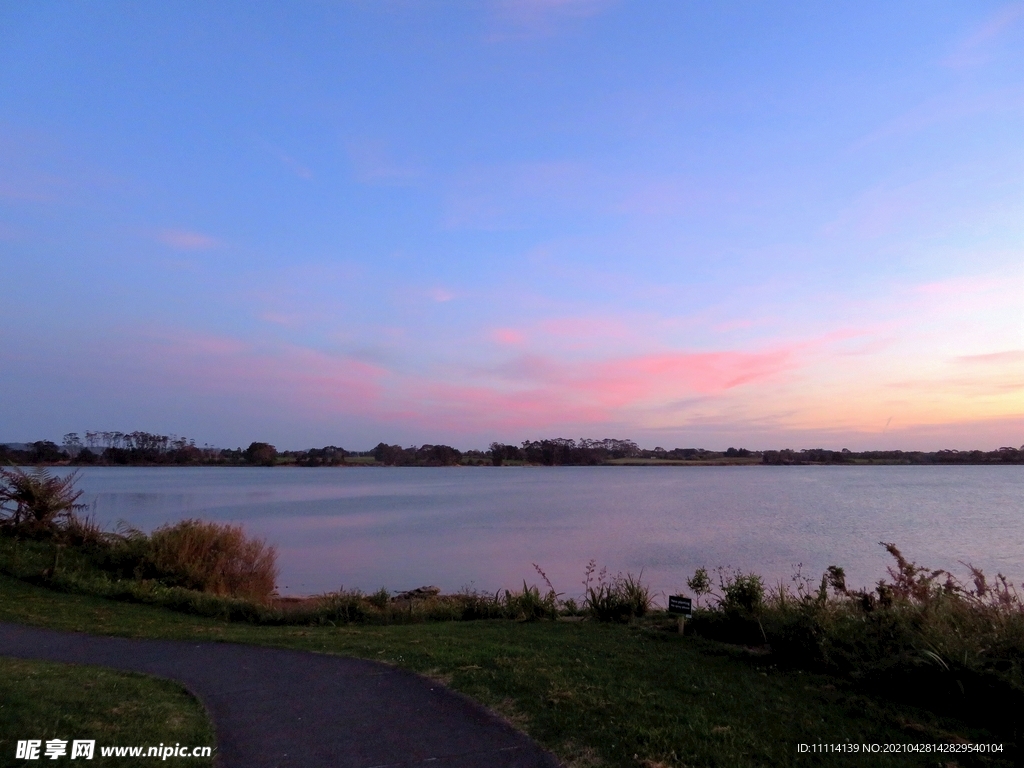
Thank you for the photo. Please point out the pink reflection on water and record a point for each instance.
(485, 527)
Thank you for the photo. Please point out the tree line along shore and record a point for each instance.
(147, 449)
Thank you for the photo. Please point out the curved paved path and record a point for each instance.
(274, 708)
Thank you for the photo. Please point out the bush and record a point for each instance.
(617, 599)
(920, 635)
(529, 604)
(215, 558)
(37, 503)
(743, 593)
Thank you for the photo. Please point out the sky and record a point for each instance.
(691, 224)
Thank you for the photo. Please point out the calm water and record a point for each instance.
(484, 527)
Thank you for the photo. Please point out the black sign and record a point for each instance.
(680, 604)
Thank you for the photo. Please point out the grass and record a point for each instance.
(125, 571)
(596, 694)
(215, 558)
(920, 636)
(917, 659)
(43, 700)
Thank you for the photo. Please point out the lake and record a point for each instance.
(484, 527)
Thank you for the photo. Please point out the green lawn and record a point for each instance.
(43, 700)
(595, 694)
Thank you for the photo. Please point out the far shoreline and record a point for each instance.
(612, 463)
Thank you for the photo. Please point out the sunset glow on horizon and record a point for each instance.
(690, 225)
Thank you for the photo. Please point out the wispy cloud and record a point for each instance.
(291, 376)
(509, 337)
(34, 187)
(187, 240)
(517, 19)
(441, 295)
(940, 203)
(977, 46)
(373, 162)
(296, 167)
(287, 159)
(949, 107)
(1008, 356)
(508, 196)
(538, 392)
(285, 320)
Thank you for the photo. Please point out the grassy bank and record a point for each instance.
(922, 636)
(42, 700)
(922, 658)
(595, 693)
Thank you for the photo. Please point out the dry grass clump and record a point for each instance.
(214, 557)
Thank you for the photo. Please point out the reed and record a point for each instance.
(921, 635)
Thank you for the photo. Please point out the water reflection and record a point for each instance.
(484, 527)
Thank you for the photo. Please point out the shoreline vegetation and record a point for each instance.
(920, 639)
(147, 449)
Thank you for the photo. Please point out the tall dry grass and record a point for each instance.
(214, 557)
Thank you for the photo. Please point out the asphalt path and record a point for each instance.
(275, 708)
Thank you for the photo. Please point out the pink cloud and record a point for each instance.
(958, 286)
(440, 295)
(733, 325)
(966, 294)
(508, 336)
(1009, 356)
(539, 392)
(475, 408)
(186, 240)
(284, 319)
(625, 382)
(584, 327)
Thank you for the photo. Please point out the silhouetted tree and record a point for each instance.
(261, 453)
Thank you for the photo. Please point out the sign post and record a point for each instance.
(682, 606)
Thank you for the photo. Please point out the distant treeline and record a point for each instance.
(1005, 455)
(146, 449)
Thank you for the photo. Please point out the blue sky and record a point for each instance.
(692, 224)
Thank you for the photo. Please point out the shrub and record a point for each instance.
(213, 557)
(920, 635)
(617, 599)
(37, 503)
(700, 583)
(742, 592)
(340, 607)
(529, 604)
